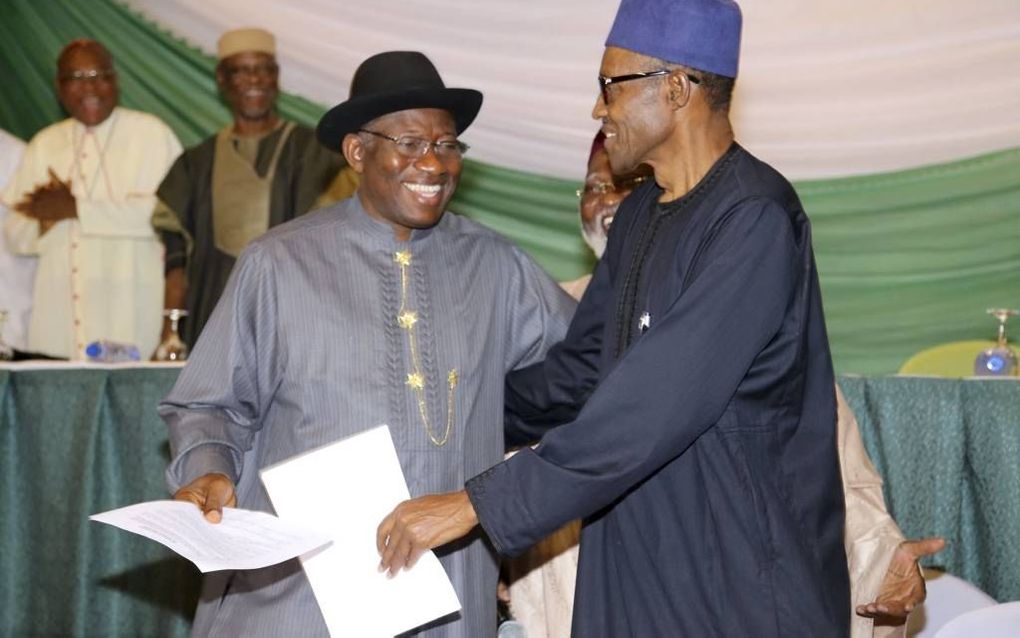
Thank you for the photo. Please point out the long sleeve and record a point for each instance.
(222, 395)
(173, 215)
(21, 231)
(551, 392)
(871, 535)
(540, 313)
(672, 385)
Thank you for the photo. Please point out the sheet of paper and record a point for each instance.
(357, 482)
(243, 539)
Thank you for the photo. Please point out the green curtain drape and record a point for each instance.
(907, 260)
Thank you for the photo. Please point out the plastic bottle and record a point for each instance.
(105, 351)
(511, 629)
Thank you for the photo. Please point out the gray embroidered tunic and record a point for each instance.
(305, 348)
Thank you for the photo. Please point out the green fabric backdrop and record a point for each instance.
(907, 260)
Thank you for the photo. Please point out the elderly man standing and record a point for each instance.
(885, 580)
(82, 199)
(381, 309)
(695, 380)
(254, 174)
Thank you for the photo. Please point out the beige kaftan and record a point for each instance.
(99, 276)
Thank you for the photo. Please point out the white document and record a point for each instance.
(243, 539)
(346, 489)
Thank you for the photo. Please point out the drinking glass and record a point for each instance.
(1001, 360)
(173, 348)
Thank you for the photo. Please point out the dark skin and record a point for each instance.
(902, 588)
(405, 193)
(391, 191)
(249, 82)
(86, 85)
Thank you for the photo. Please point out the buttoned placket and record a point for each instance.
(76, 296)
(85, 170)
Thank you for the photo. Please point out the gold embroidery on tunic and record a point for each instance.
(407, 319)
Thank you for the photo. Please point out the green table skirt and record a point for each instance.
(76, 441)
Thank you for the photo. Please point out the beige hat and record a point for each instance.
(243, 40)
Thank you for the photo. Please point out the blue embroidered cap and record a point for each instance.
(702, 34)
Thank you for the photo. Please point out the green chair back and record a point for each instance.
(954, 359)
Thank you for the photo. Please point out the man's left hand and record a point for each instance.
(903, 586)
(420, 524)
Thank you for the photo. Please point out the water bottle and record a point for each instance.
(511, 629)
(105, 351)
(508, 627)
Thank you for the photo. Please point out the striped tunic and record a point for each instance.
(305, 348)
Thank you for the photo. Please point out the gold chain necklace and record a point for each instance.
(407, 319)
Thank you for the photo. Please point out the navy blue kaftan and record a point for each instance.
(695, 389)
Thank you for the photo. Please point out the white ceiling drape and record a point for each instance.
(827, 88)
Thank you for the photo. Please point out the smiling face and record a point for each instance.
(249, 83)
(638, 119)
(598, 202)
(407, 193)
(87, 83)
(601, 196)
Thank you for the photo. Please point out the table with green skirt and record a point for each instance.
(78, 440)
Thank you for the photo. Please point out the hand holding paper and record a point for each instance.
(243, 540)
(211, 493)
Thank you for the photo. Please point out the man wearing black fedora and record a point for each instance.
(384, 308)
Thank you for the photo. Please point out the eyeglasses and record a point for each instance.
(258, 71)
(88, 76)
(604, 81)
(415, 147)
(601, 188)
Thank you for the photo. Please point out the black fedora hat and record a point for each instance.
(390, 82)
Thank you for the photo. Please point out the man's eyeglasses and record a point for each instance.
(415, 147)
(258, 71)
(601, 188)
(88, 76)
(605, 82)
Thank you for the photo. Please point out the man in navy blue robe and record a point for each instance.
(692, 399)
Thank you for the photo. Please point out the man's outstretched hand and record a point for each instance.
(420, 524)
(211, 492)
(903, 586)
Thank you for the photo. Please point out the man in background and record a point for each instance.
(82, 198)
(254, 174)
(17, 272)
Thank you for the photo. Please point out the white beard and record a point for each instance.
(595, 240)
